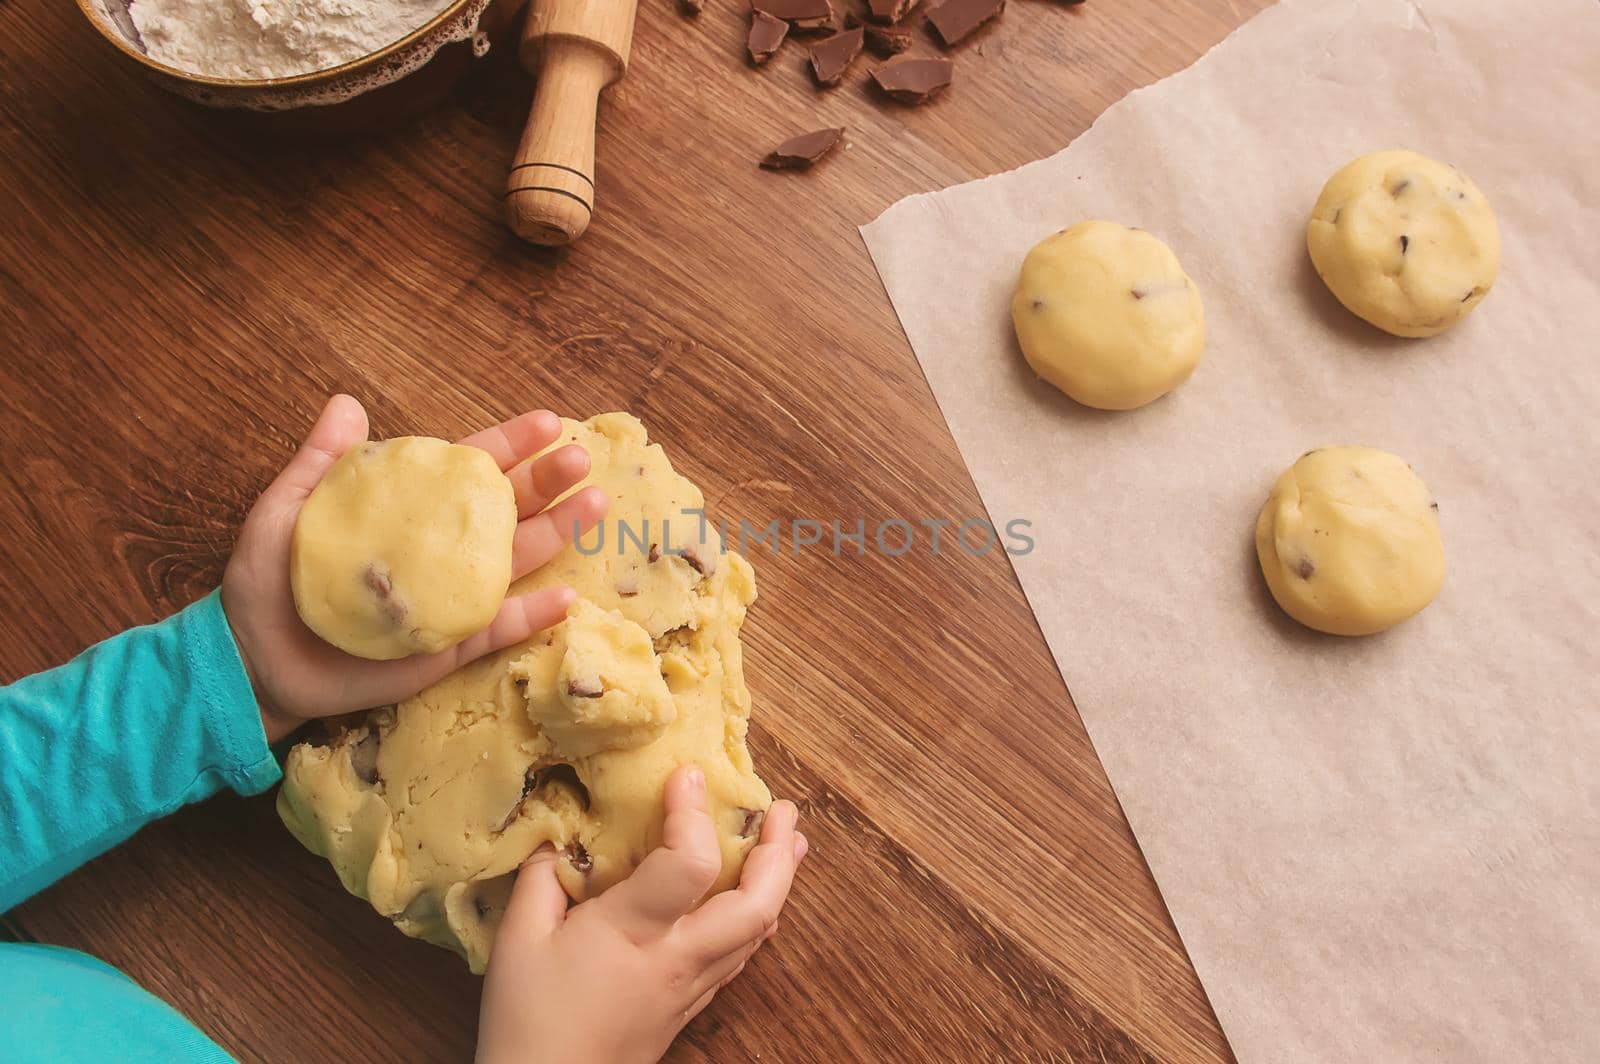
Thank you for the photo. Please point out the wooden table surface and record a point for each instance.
(177, 296)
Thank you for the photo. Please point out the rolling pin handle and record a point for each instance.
(550, 192)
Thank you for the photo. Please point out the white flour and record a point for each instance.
(272, 38)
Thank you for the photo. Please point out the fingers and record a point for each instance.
(674, 877)
(744, 915)
(542, 537)
(724, 970)
(519, 618)
(546, 477)
(538, 905)
(341, 425)
(511, 441)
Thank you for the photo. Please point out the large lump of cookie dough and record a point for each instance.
(1405, 242)
(427, 808)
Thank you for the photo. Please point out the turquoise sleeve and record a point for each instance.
(125, 733)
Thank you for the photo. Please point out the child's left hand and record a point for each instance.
(296, 676)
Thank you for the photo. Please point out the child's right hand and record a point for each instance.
(616, 978)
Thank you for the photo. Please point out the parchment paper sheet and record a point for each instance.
(1377, 849)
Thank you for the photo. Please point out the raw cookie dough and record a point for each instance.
(1106, 314)
(1405, 242)
(427, 808)
(1349, 541)
(404, 547)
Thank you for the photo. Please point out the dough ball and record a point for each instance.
(404, 547)
(1349, 541)
(1405, 242)
(1106, 314)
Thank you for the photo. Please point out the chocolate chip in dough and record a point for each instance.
(1405, 242)
(578, 857)
(753, 819)
(1303, 568)
(584, 688)
(364, 758)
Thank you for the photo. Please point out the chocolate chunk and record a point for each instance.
(831, 57)
(766, 34)
(655, 552)
(364, 759)
(584, 689)
(1304, 568)
(376, 577)
(796, 153)
(889, 10)
(956, 20)
(914, 80)
(802, 14)
(702, 557)
(578, 857)
(888, 40)
(753, 819)
(1405, 242)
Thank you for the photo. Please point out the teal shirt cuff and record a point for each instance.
(127, 732)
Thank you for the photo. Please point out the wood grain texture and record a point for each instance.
(177, 297)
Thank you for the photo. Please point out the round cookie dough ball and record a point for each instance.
(1105, 313)
(404, 547)
(1349, 541)
(1405, 242)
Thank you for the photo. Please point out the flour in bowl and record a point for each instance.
(247, 39)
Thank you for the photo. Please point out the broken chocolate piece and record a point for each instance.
(1405, 242)
(889, 10)
(584, 689)
(956, 20)
(796, 153)
(766, 34)
(753, 819)
(831, 57)
(888, 40)
(655, 552)
(914, 80)
(802, 14)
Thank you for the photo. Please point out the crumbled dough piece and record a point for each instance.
(1407, 243)
(404, 547)
(1105, 313)
(427, 808)
(1349, 541)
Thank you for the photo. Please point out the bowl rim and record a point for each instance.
(125, 46)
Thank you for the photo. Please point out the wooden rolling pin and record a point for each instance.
(574, 49)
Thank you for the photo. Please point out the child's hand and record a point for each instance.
(297, 676)
(616, 978)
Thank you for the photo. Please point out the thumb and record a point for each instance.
(538, 905)
(341, 426)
